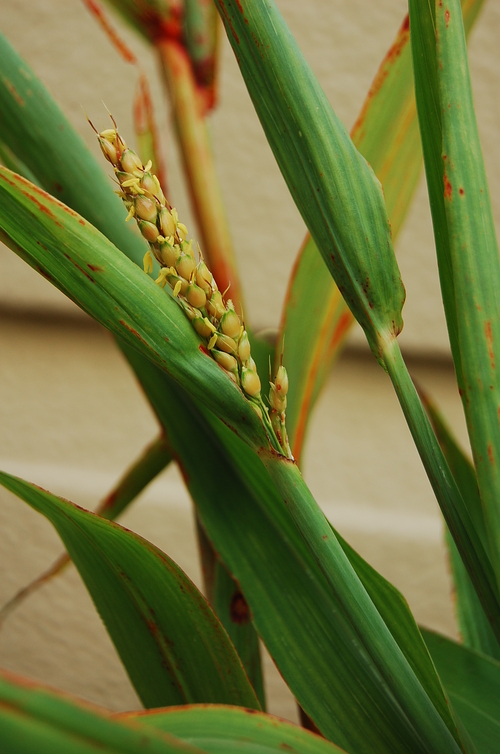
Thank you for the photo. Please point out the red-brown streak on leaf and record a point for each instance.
(489, 341)
(447, 17)
(134, 332)
(45, 274)
(203, 349)
(394, 52)
(447, 187)
(286, 747)
(490, 454)
(95, 267)
(461, 191)
(238, 609)
(58, 186)
(10, 86)
(229, 22)
(41, 206)
(78, 267)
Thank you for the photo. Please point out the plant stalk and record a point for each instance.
(198, 162)
(445, 488)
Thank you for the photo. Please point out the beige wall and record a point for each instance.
(72, 416)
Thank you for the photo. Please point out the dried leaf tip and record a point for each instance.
(192, 284)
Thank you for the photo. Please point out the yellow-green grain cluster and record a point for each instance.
(192, 283)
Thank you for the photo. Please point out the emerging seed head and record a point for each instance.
(202, 327)
(250, 382)
(148, 184)
(168, 254)
(244, 347)
(281, 381)
(226, 361)
(185, 266)
(225, 343)
(195, 295)
(187, 248)
(216, 306)
(130, 162)
(148, 230)
(278, 403)
(167, 222)
(145, 209)
(230, 323)
(108, 150)
(203, 276)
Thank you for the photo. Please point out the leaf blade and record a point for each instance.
(172, 645)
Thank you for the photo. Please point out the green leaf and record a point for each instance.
(36, 131)
(89, 269)
(229, 604)
(172, 645)
(315, 317)
(151, 462)
(448, 495)
(224, 730)
(295, 612)
(35, 720)
(465, 236)
(474, 627)
(436, 734)
(472, 681)
(334, 188)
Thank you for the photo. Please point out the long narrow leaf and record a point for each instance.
(315, 318)
(466, 240)
(37, 132)
(334, 188)
(296, 613)
(224, 730)
(171, 643)
(474, 627)
(154, 459)
(35, 720)
(472, 681)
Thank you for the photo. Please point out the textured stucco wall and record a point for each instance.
(72, 416)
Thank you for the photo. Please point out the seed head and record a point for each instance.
(185, 266)
(230, 323)
(225, 360)
(145, 209)
(250, 382)
(281, 381)
(244, 347)
(130, 162)
(192, 284)
(148, 230)
(196, 296)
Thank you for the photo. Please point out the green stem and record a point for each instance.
(445, 488)
(427, 725)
